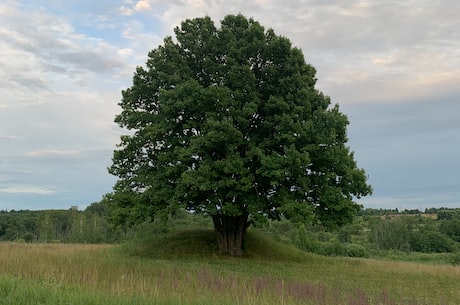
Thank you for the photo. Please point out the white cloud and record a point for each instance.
(37, 47)
(126, 11)
(52, 152)
(27, 189)
(370, 44)
(10, 137)
(382, 61)
(126, 52)
(142, 6)
(61, 75)
(131, 8)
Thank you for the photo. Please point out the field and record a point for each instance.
(183, 269)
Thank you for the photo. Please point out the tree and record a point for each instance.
(227, 122)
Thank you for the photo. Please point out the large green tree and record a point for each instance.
(227, 122)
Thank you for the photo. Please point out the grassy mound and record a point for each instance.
(196, 243)
(172, 245)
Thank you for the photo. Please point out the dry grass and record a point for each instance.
(297, 279)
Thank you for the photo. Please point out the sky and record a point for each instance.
(392, 66)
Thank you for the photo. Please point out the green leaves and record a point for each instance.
(228, 122)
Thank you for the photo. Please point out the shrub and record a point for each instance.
(305, 240)
(455, 259)
(28, 237)
(356, 250)
(430, 242)
(451, 228)
(332, 249)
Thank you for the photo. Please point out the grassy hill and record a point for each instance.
(200, 244)
(182, 267)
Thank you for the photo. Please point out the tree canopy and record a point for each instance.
(227, 122)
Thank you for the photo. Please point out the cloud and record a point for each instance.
(367, 45)
(131, 9)
(52, 153)
(37, 46)
(142, 6)
(393, 67)
(126, 52)
(27, 189)
(126, 11)
(77, 156)
(11, 138)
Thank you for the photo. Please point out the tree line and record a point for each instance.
(373, 231)
(377, 233)
(69, 226)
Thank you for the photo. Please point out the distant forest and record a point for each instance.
(68, 226)
(373, 232)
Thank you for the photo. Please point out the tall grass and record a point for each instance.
(182, 268)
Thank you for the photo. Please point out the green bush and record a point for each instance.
(451, 228)
(305, 240)
(455, 259)
(28, 237)
(356, 250)
(430, 242)
(332, 249)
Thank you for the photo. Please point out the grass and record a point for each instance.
(417, 257)
(183, 268)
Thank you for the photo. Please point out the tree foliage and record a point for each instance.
(68, 226)
(227, 122)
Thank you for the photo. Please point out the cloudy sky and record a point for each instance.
(392, 66)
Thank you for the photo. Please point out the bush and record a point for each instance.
(304, 240)
(356, 250)
(332, 249)
(451, 228)
(430, 242)
(346, 232)
(28, 237)
(455, 259)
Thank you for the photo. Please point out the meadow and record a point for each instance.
(182, 268)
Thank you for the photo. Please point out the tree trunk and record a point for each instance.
(230, 232)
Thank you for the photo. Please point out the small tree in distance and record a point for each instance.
(227, 122)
